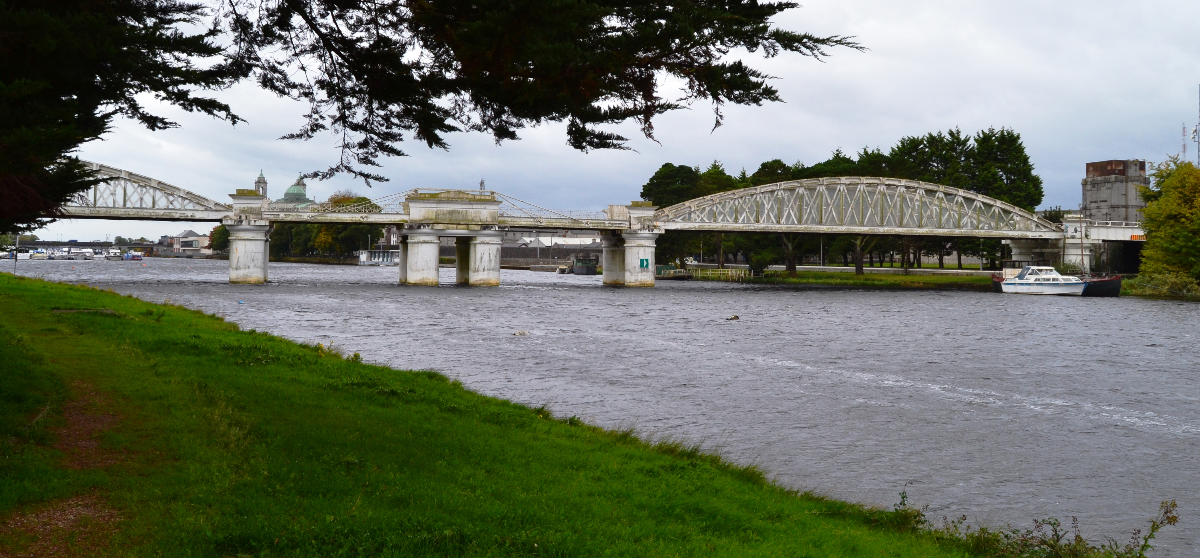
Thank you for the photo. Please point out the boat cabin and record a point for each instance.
(1043, 274)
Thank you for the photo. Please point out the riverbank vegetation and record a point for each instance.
(129, 428)
(877, 280)
(1171, 219)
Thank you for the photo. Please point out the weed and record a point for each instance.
(1048, 538)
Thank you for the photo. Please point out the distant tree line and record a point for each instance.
(316, 239)
(992, 162)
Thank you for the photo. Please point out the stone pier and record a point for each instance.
(629, 259)
(629, 255)
(1074, 250)
(420, 263)
(249, 238)
(469, 217)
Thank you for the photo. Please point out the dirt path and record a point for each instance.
(81, 525)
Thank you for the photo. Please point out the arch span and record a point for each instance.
(856, 205)
(128, 195)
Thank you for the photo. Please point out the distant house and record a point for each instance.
(190, 243)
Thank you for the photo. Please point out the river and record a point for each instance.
(1001, 407)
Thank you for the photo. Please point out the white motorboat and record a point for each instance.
(1037, 279)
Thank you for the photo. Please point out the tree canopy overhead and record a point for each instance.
(68, 67)
(375, 71)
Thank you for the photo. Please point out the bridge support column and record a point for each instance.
(629, 259)
(402, 259)
(1035, 251)
(249, 248)
(614, 259)
(421, 263)
(639, 258)
(462, 260)
(1078, 254)
(485, 260)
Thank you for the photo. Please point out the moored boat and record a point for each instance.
(1036, 279)
(1102, 286)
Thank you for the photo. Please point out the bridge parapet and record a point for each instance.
(453, 209)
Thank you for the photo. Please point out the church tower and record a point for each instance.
(260, 184)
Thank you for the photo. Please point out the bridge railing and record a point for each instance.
(1125, 224)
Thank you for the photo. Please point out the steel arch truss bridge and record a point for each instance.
(856, 205)
(128, 195)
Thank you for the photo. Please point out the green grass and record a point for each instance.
(879, 280)
(241, 443)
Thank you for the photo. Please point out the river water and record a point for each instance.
(1004, 408)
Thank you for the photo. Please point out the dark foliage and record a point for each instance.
(375, 71)
(68, 67)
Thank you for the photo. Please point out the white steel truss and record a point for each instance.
(127, 190)
(857, 205)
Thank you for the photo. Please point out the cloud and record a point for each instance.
(1080, 81)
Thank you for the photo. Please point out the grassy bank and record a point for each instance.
(878, 280)
(169, 431)
(128, 428)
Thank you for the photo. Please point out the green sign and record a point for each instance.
(645, 263)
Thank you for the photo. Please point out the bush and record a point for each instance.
(1167, 285)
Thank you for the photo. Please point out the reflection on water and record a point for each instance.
(1002, 407)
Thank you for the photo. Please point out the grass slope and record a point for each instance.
(229, 442)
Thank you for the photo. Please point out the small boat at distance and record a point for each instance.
(1037, 279)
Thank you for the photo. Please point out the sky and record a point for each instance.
(1080, 81)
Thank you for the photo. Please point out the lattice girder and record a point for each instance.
(861, 205)
(128, 190)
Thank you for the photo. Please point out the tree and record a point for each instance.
(68, 67)
(672, 184)
(1000, 168)
(373, 73)
(1172, 222)
(770, 172)
(218, 238)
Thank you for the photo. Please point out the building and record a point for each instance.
(1111, 190)
(190, 243)
(296, 194)
(260, 184)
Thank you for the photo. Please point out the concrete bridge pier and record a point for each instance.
(1036, 251)
(613, 259)
(249, 249)
(402, 260)
(483, 256)
(249, 238)
(421, 258)
(629, 259)
(478, 259)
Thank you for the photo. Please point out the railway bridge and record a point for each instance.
(476, 218)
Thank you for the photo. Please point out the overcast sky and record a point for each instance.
(1080, 81)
